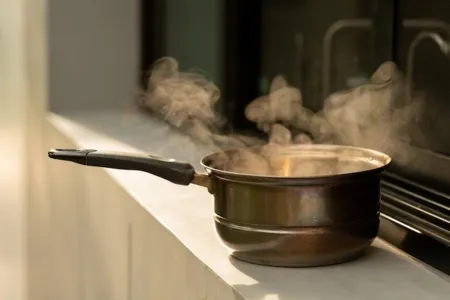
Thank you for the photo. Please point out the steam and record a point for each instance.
(376, 115)
(186, 101)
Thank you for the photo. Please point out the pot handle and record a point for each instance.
(169, 169)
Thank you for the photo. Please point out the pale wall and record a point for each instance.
(22, 107)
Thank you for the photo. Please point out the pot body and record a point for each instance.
(297, 222)
(264, 212)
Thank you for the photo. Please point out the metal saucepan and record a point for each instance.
(318, 205)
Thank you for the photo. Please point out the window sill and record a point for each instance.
(384, 273)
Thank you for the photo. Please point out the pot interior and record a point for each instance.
(299, 161)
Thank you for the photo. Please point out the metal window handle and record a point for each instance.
(443, 45)
(328, 41)
(428, 24)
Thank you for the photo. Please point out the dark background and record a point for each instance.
(242, 45)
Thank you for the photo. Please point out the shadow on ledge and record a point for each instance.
(379, 274)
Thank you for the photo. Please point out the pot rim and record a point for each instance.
(383, 160)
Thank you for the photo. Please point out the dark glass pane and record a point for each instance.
(320, 46)
(423, 48)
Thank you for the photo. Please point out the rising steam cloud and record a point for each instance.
(375, 115)
(186, 100)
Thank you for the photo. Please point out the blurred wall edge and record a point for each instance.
(23, 97)
(93, 54)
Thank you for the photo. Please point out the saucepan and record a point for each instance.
(294, 206)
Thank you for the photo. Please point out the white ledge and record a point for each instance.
(384, 273)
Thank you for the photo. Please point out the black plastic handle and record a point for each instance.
(169, 169)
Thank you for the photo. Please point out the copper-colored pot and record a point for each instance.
(328, 217)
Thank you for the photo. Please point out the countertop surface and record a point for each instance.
(384, 273)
